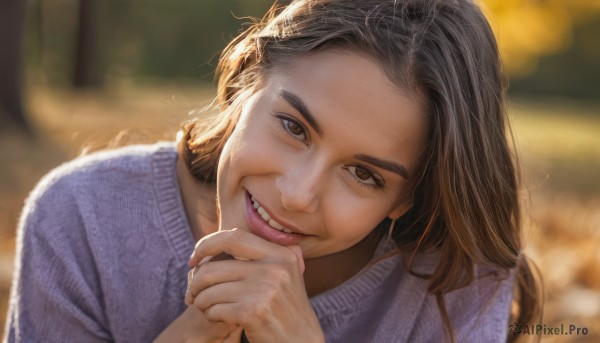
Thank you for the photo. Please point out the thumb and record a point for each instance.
(234, 336)
(298, 251)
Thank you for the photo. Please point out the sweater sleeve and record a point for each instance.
(56, 295)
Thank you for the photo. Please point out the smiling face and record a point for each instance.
(325, 149)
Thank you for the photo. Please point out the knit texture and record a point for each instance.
(102, 253)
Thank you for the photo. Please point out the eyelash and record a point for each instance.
(285, 120)
(378, 184)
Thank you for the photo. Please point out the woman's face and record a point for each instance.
(324, 150)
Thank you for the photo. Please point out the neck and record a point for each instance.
(199, 201)
(327, 272)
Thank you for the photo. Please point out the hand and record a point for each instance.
(261, 289)
(192, 326)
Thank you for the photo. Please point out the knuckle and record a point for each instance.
(244, 318)
(253, 311)
(205, 277)
(269, 295)
(214, 314)
(199, 246)
(285, 258)
(202, 242)
(211, 314)
(222, 314)
(200, 304)
(267, 290)
(204, 269)
(289, 257)
(277, 276)
(261, 311)
(271, 274)
(228, 235)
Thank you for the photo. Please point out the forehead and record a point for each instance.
(354, 100)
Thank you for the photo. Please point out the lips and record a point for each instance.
(262, 224)
(263, 213)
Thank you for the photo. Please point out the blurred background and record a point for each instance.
(82, 75)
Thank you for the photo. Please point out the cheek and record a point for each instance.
(351, 218)
(250, 150)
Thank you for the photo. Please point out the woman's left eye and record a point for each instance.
(366, 177)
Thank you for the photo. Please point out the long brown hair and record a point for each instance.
(466, 200)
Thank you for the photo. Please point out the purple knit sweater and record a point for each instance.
(103, 244)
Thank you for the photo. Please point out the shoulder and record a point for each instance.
(490, 289)
(90, 230)
(481, 310)
(96, 181)
(100, 169)
(478, 312)
(134, 160)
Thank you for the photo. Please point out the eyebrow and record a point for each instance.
(299, 105)
(387, 165)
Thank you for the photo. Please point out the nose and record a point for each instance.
(300, 188)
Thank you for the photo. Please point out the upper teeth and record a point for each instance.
(268, 218)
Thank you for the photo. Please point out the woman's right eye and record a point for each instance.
(292, 127)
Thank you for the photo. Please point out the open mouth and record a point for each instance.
(262, 224)
(272, 222)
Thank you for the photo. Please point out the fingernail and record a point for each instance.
(205, 259)
(191, 259)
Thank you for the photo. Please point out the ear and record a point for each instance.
(400, 210)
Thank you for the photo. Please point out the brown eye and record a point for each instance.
(362, 173)
(294, 128)
(365, 177)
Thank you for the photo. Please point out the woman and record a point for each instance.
(356, 185)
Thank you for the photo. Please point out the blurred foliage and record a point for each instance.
(528, 29)
(548, 46)
(574, 72)
(153, 38)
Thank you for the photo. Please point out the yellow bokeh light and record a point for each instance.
(529, 29)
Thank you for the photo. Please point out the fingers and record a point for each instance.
(224, 293)
(240, 244)
(298, 252)
(228, 313)
(213, 273)
(222, 303)
(190, 278)
(192, 273)
(251, 293)
(235, 336)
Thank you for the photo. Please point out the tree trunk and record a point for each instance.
(87, 72)
(12, 22)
